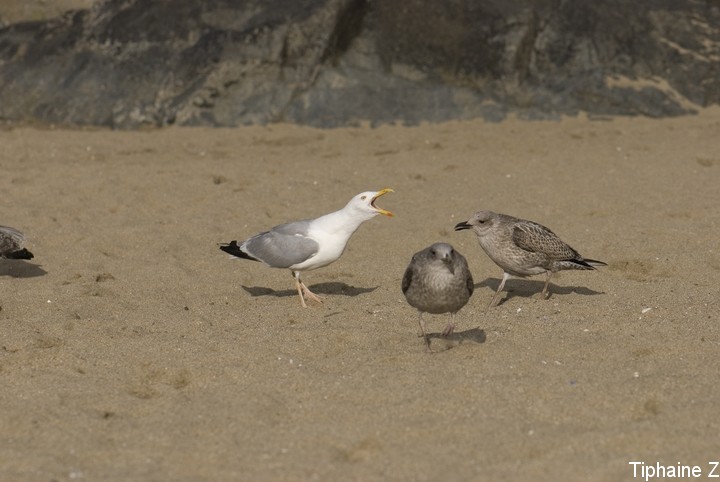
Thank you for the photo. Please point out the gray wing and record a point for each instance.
(283, 246)
(412, 269)
(461, 266)
(539, 239)
(10, 239)
(407, 279)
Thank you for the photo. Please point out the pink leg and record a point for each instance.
(309, 293)
(299, 286)
(303, 290)
(545, 294)
(495, 300)
(450, 328)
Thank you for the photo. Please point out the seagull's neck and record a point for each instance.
(343, 222)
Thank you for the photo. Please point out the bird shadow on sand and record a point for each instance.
(20, 269)
(439, 342)
(526, 288)
(330, 288)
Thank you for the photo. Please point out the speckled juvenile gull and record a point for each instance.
(437, 280)
(523, 248)
(12, 244)
(309, 244)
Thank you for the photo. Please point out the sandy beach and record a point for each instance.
(132, 348)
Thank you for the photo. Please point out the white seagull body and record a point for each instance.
(309, 244)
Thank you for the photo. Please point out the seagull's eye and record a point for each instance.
(363, 197)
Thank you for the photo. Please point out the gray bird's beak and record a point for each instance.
(448, 261)
(462, 225)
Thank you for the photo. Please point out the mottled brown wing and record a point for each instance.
(539, 239)
(10, 240)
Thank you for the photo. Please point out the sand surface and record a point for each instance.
(14, 11)
(132, 348)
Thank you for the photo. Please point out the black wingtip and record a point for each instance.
(594, 262)
(589, 263)
(21, 254)
(233, 249)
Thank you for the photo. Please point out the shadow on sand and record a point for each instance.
(526, 288)
(439, 343)
(20, 269)
(329, 288)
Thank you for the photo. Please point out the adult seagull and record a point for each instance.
(309, 244)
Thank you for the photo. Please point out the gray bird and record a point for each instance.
(309, 244)
(11, 244)
(523, 248)
(437, 281)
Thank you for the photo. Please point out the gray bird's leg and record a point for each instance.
(450, 328)
(422, 330)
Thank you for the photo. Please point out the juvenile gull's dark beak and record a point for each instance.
(462, 225)
(448, 261)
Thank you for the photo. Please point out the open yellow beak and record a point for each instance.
(377, 195)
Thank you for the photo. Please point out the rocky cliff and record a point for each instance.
(127, 63)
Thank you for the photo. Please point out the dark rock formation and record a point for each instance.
(127, 63)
